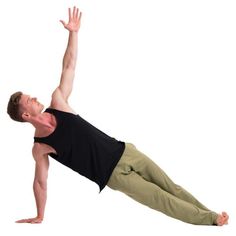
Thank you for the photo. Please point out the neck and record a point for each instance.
(42, 121)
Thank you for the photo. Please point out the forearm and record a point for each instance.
(70, 57)
(40, 193)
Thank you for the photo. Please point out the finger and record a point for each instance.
(19, 221)
(77, 12)
(22, 221)
(74, 12)
(80, 16)
(35, 222)
(69, 13)
(63, 22)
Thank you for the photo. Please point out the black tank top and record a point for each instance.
(82, 147)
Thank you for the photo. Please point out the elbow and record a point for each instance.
(69, 66)
(69, 63)
(40, 184)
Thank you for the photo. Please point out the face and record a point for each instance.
(30, 106)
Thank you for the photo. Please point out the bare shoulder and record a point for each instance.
(39, 151)
(41, 162)
(58, 102)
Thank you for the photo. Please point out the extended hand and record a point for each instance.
(74, 21)
(35, 220)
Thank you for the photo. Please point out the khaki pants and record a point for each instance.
(141, 179)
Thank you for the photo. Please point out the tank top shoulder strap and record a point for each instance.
(50, 110)
(57, 115)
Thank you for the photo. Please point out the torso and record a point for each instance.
(59, 104)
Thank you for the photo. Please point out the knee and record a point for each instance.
(177, 188)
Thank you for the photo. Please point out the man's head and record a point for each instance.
(22, 107)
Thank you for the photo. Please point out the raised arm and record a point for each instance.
(70, 57)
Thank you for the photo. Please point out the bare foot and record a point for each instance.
(222, 219)
(226, 217)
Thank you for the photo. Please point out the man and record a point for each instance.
(68, 138)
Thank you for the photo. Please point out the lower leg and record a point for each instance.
(154, 197)
(125, 179)
(182, 210)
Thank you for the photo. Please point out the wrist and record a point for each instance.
(40, 217)
(74, 32)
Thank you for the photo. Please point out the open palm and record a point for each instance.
(74, 20)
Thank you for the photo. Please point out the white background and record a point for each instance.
(159, 74)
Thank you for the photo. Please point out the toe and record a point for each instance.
(225, 218)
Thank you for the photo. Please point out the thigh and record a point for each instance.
(136, 161)
(134, 186)
(149, 170)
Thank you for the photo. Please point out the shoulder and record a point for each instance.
(41, 162)
(59, 103)
(38, 150)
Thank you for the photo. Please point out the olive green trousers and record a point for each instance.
(140, 178)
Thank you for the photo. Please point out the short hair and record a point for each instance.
(13, 108)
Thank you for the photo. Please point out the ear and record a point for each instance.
(26, 116)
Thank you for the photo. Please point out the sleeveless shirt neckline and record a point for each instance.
(47, 111)
(49, 108)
